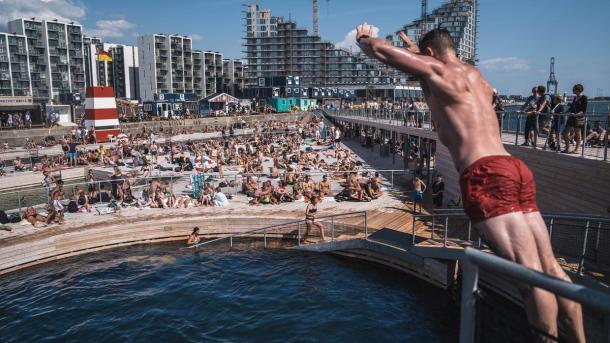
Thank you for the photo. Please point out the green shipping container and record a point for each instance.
(281, 104)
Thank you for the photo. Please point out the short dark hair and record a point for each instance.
(578, 87)
(541, 89)
(439, 40)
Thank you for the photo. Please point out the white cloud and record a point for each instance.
(63, 10)
(110, 28)
(196, 37)
(505, 64)
(349, 42)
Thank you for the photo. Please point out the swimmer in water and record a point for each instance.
(498, 189)
(193, 238)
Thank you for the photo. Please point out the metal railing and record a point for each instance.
(512, 127)
(337, 226)
(474, 260)
(39, 195)
(584, 238)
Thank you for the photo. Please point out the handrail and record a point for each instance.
(475, 259)
(574, 216)
(510, 123)
(587, 226)
(228, 175)
(277, 225)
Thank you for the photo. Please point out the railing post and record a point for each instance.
(366, 229)
(584, 138)
(299, 233)
(517, 130)
(469, 229)
(392, 180)
(332, 229)
(19, 202)
(99, 191)
(599, 229)
(551, 229)
(265, 237)
(470, 279)
(433, 224)
(446, 231)
(413, 230)
(231, 241)
(581, 263)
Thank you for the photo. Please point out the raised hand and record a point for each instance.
(364, 30)
(410, 45)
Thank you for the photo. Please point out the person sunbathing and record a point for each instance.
(33, 217)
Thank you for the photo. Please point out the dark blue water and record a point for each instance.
(161, 293)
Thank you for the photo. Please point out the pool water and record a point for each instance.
(164, 293)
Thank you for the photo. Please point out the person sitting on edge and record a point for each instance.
(596, 135)
(498, 190)
(193, 238)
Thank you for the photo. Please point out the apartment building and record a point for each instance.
(91, 45)
(233, 77)
(14, 67)
(166, 65)
(459, 17)
(55, 50)
(275, 47)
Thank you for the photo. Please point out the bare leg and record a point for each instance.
(570, 312)
(321, 227)
(510, 237)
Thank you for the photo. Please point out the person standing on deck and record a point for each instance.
(498, 189)
(419, 187)
(438, 188)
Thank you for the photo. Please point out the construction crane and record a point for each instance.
(316, 16)
(316, 23)
(424, 17)
(552, 82)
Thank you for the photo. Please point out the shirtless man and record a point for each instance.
(324, 186)
(419, 187)
(498, 190)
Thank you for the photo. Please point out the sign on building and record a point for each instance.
(16, 100)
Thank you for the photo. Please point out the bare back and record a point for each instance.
(457, 94)
(459, 100)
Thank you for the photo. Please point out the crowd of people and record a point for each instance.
(563, 126)
(16, 120)
(278, 163)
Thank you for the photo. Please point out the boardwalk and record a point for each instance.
(425, 131)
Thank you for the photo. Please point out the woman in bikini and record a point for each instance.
(193, 238)
(310, 220)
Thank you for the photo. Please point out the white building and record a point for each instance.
(168, 64)
(121, 73)
(55, 55)
(14, 67)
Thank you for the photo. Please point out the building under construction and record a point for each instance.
(459, 17)
(274, 46)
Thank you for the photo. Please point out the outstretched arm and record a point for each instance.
(408, 60)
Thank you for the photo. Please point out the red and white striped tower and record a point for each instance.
(101, 113)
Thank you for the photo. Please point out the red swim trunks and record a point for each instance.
(497, 185)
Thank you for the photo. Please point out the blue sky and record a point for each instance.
(516, 38)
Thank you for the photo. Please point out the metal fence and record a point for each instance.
(474, 260)
(38, 196)
(338, 226)
(512, 127)
(581, 238)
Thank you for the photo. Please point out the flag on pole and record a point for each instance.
(103, 56)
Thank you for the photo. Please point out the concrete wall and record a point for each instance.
(60, 242)
(18, 137)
